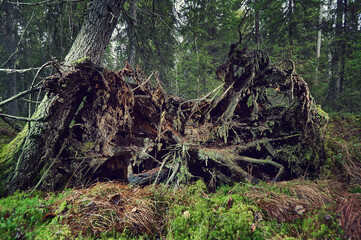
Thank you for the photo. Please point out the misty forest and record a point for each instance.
(180, 119)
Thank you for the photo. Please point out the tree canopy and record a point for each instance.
(183, 41)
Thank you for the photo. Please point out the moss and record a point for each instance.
(321, 112)
(8, 157)
(185, 213)
(7, 152)
(197, 188)
(88, 146)
(80, 61)
(24, 215)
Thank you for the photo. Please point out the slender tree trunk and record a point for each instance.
(176, 79)
(10, 33)
(336, 72)
(343, 48)
(198, 65)
(319, 41)
(291, 27)
(256, 24)
(28, 157)
(132, 33)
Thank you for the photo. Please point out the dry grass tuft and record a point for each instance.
(110, 206)
(302, 197)
(349, 207)
(306, 196)
(281, 207)
(343, 142)
(352, 162)
(317, 193)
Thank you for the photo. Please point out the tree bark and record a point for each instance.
(96, 31)
(132, 33)
(29, 155)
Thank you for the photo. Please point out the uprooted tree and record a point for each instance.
(95, 125)
(264, 125)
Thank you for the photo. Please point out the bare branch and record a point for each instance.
(48, 2)
(262, 162)
(20, 118)
(19, 95)
(21, 38)
(8, 70)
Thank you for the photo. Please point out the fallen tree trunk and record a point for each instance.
(264, 126)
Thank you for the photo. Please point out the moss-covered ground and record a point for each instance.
(329, 208)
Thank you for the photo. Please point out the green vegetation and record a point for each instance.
(186, 41)
(28, 216)
(242, 211)
(343, 146)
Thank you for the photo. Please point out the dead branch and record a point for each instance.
(19, 95)
(21, 118)
(9, 70)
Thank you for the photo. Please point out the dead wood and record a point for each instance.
(265, 126)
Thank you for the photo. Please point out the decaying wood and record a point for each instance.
(264, 126)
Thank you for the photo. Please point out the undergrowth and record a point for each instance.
(343, 147)
(242, 211)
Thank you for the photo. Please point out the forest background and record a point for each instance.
(185, 41)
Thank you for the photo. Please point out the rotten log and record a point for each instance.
(265, 126)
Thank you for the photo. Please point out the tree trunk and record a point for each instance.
(319, 41)
(291, 27)
(96, 31)
(256, 24)
(132, 33)
(337, 77)
(343, 48)
(29, 155)
(10, 49)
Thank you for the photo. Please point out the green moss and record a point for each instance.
(8, 157)
(197, 188)
(189, 213)
(24, 214)
(211, 218)
(88, 146)
(355, 189)
(54, 230)
(321, 113)
(13, 146)
(80, 61)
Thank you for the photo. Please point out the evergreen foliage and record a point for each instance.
(185, 41)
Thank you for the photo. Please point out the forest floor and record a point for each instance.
(327, 208)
